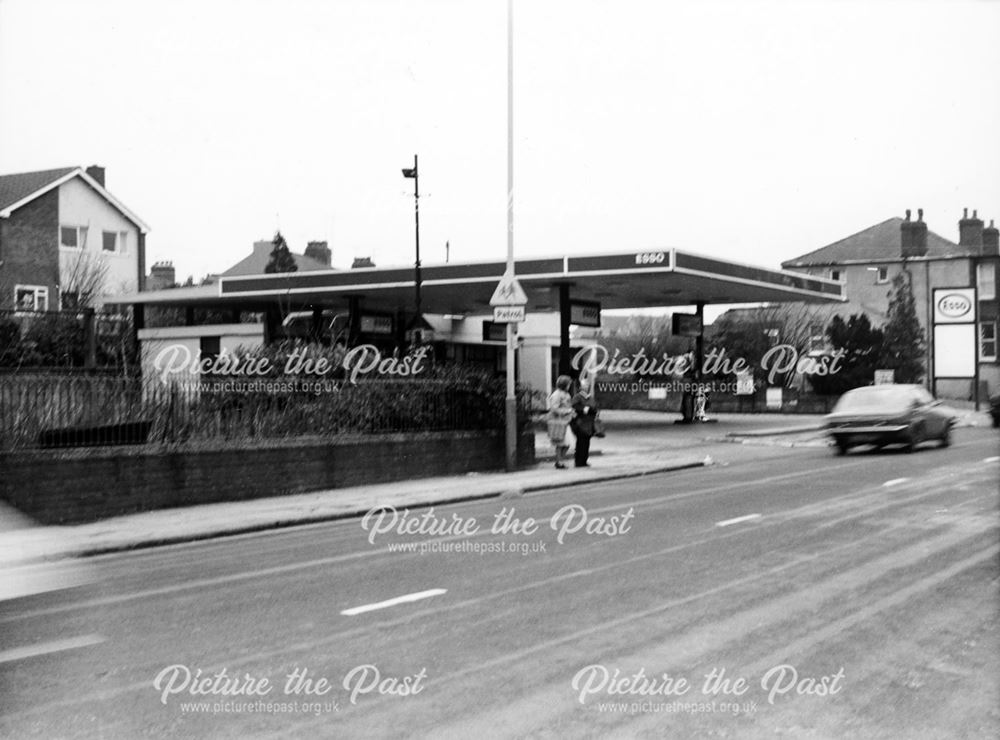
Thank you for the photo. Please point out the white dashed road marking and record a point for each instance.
(392, 602)
(738, 520)
(894, 482)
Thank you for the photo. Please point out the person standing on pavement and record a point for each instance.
(560, 411)
(584, 421)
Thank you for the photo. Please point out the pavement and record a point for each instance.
(639, 443)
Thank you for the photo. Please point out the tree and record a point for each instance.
(904, 343)
(751, 333)
(83, 281)
(648, 334)
(862, 347)
(281, 258)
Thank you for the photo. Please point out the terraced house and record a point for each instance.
(65, 241)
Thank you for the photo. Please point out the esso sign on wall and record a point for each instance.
(954, 305)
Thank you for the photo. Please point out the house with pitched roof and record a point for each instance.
(66, 240)
(867, 262)
(317, 257)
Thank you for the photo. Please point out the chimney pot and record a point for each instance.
(920, 214)
(907, 214)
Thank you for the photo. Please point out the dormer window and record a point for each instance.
(835, 275)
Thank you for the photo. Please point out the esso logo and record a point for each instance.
(954, 305)
(650, 258)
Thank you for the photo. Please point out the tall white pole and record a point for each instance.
(511, 400)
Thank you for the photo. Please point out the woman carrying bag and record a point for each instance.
(560, 411)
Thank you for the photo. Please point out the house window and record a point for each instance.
(73, 237)
(881, 275)
(986, 281)
(68, 236)
(109, 241)
(835, 274)
(69, 300)
(31, 298)
(123, 242)
(988, 341)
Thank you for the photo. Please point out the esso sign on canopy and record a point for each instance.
(651, 258)
(956, 306)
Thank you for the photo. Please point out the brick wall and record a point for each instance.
(88, 485)
(29, 249)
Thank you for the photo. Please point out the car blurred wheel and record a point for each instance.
(842, 445)
(946, 436)
(916, 436)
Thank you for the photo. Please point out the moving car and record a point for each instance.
(881, 415)
(995, 409)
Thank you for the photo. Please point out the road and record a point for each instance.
(782, 592)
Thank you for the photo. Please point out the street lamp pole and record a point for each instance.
(414, 174)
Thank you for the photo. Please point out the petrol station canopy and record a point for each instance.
(618, 280)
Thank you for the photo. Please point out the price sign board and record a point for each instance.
(744, 383)
(885, 377)
(585, 313)
(686, 324)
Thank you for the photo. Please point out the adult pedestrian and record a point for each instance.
(560, 411)
(583, 424)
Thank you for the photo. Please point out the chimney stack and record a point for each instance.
(362, 262)
(913, 235)
(320, 252)
(991, 241)
(96, 172)
(970, 231)
(161, 275)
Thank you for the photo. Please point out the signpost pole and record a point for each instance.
(511, 399)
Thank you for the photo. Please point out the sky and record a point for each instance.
(751, 131)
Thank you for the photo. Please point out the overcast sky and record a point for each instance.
(752, 131)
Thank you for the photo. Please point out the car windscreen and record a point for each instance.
(875, 400)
